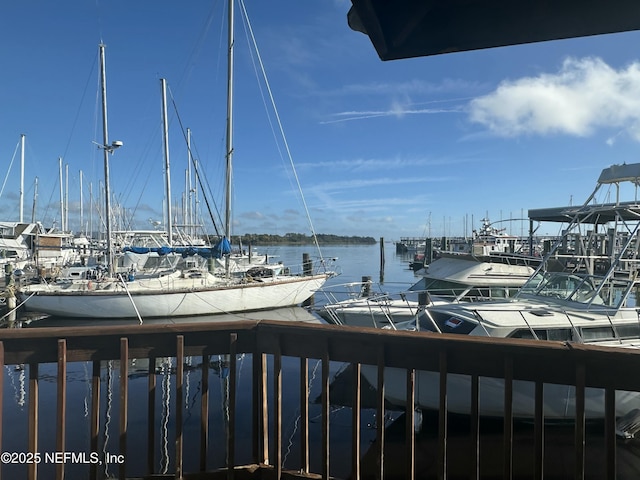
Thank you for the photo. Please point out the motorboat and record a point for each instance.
(452, 278)
(585, 291)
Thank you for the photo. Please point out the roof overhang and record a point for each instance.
(415, 28)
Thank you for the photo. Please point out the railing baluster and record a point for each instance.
(442, 417)
(277, 412)
(304, 415)
(380, 412)
(508, 418)
(580, 421)
(204, 414)
(475, 426)
(231, 440)
(124, 400)
(32, 468)
(326, 411)
(610, 431)
(61, 414)
(260, 410)
(151, 415)
(179, 402)
(538, 432)
(356, 420)
(410, 423)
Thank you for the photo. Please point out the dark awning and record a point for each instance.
(592, 214)
(414, 28)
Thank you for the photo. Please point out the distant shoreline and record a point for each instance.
(262, 239)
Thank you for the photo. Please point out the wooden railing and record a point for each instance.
(268, 343)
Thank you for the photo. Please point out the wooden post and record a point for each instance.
(381, 259)
(307, 264)
(307, 270)
(365, 288)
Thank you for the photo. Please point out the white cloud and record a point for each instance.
(583, 96)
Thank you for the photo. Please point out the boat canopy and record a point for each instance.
(621, 173)
(222, 248)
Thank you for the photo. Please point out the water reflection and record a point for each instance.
(291, 314)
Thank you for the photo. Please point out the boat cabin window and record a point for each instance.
(462, 292)
(597, 333)
(628, 331)
(555, 334)
(442, 288)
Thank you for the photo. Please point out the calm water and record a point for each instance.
(353, 262)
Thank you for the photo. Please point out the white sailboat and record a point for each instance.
(107, 295)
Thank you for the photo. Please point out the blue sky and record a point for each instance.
(383, 149)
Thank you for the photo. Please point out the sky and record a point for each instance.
(405, 148)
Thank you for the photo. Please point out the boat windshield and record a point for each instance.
(584, 289)
(458, 291)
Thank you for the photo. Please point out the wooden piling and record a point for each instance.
(307, 270)
(381, 259)
(365, 288)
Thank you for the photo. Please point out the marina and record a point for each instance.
(346, 444)
(159, 342)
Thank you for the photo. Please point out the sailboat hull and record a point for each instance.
(174, 298)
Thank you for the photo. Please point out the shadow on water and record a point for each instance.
(559, 451)
(559, 444)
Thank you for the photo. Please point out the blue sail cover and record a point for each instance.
(222, 248)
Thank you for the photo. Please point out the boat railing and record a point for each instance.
(365, 289)
(572, 330)
(311, 266)
(282, 358)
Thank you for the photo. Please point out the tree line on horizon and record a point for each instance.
(299, 239)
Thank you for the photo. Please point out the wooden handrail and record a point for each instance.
(541, 362)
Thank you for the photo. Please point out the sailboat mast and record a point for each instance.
(227, 222)
(35, 201)
(167, 174)
(66, 198)
(106, 149)
(61, 194)
(22, 136)
(189, 212)
(81, 207)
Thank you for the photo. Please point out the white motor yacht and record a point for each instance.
(585, 291)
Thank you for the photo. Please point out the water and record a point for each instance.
(353, 262)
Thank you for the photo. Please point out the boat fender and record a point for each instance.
(89, 285)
